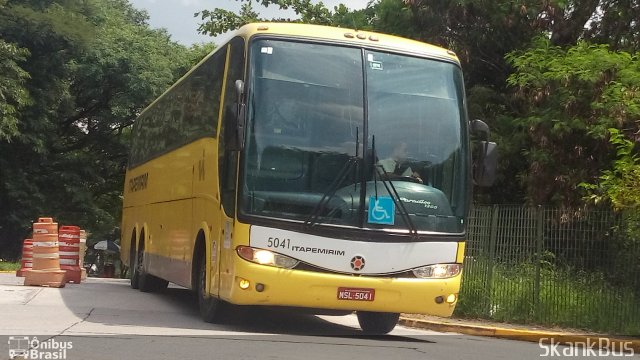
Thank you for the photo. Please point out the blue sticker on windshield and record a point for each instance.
(382, 210)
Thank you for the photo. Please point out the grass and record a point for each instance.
(567, 298)
(9, 266)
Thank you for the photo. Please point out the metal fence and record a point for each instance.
(576, 268)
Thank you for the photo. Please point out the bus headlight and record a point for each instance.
(438, 271)
(266, 257)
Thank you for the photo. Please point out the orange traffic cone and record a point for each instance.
(46, 258)
(69, 240)
(27, 257)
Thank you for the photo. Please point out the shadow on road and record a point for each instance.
(111, 303)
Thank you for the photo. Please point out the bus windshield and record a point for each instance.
(321, 144)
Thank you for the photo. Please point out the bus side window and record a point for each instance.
(227, 159)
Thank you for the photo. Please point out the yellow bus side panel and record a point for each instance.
(207, 213)
(172, 196)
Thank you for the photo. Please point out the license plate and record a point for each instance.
(357, 294)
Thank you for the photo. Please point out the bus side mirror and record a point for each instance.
(480, 128)
(241, 115)
(485, 162)
(484, 169)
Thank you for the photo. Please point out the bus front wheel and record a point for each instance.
(210, 307)
(376, 323)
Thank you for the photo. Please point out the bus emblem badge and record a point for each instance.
(357, 263)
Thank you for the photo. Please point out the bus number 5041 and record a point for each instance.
(274, 242)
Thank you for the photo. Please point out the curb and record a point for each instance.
(7, 271)
(593, 340)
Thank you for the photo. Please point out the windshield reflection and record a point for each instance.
(303, 158)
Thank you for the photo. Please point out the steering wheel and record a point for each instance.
(418, 165)
(408, 178)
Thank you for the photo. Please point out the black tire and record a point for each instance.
(133, 266)
(146, 282)
(376, 323)
(210, 307)
(151, 283)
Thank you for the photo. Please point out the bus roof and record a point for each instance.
(346, 35)
(324, 33)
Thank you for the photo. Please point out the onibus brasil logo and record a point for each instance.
(23, 347)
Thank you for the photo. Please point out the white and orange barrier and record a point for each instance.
(69, 245)
(46, 257)
(27, 257)
(83, 251)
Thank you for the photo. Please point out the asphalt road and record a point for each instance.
(106, 319)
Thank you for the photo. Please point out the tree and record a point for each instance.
(219, 21)
(571, 97)
(93, 66)
(549, 102)
(619, 185)
(13, 95)
(616, 24)
(483, 33)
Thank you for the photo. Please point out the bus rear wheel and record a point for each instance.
(145, 282)
(210, 307)
(133, 266)
(376, 323)
(151, 283)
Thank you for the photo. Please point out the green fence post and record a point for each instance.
(539, 246)
(493, 236)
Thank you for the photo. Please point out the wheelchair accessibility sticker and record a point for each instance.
(382, 210)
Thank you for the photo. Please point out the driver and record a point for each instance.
(395, 163)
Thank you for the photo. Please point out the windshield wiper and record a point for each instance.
(328, 195)
(331, 191)
(391, 189)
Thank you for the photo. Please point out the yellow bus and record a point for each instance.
(309, 167)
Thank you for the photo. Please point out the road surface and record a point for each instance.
(106, 319)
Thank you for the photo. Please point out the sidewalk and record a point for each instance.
(531, 333)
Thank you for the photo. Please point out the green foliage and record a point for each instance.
(483, 33)
(355, 19)
(92, 67)
(617, 25)
(619, 185)
(13, 94)
(309, 13)
(9, 266)
(567, 297)
(569, 98)
(74, 74)
(219, 20)
(197, 52)
(548, 97)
